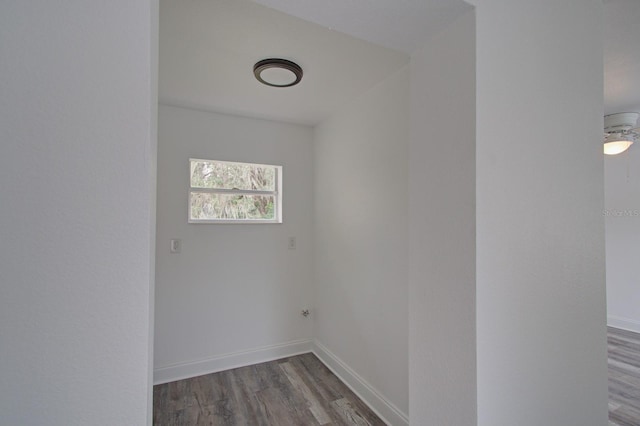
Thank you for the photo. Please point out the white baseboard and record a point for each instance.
(623, 323)
(388, 412)
(228, 361)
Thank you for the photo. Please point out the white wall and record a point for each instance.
(360, 189)
(153, 169)
(233, 288)
(540, 233)
(622, 219)
(442, 254)
(76, 213)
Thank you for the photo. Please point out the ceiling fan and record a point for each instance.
(620, 132)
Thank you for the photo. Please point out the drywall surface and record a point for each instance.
(153, 169)
(442, 373)
(622, 219)
(76, 165)
(541, 309)
(360, 187)
(233, 288)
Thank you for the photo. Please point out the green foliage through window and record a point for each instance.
(234, 192)
(224, 175)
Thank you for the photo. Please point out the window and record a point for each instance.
(226, 192)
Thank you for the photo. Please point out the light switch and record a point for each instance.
(176, 246)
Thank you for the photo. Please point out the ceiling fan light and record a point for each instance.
(620, 132)
(616, 147)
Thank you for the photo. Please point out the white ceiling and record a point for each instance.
(208, 48)
(398, 24)
(621, 56)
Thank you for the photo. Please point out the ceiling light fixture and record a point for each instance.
(620, 132)
(277, 72)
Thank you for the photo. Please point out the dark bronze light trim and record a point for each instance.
(277, 63)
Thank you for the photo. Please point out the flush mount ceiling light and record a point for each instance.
(277, 72)
(620, 132)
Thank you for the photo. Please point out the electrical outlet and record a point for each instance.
(292, 243)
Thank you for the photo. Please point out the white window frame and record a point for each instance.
(277, 193)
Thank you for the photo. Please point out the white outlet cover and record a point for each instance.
(176, 246)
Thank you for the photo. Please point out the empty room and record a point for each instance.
(301, 212)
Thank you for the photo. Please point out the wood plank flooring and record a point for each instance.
(302, 391)
(624, 377)
(297, 391)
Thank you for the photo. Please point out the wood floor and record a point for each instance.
(297, 391)
(301, 391)
(624, 377)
